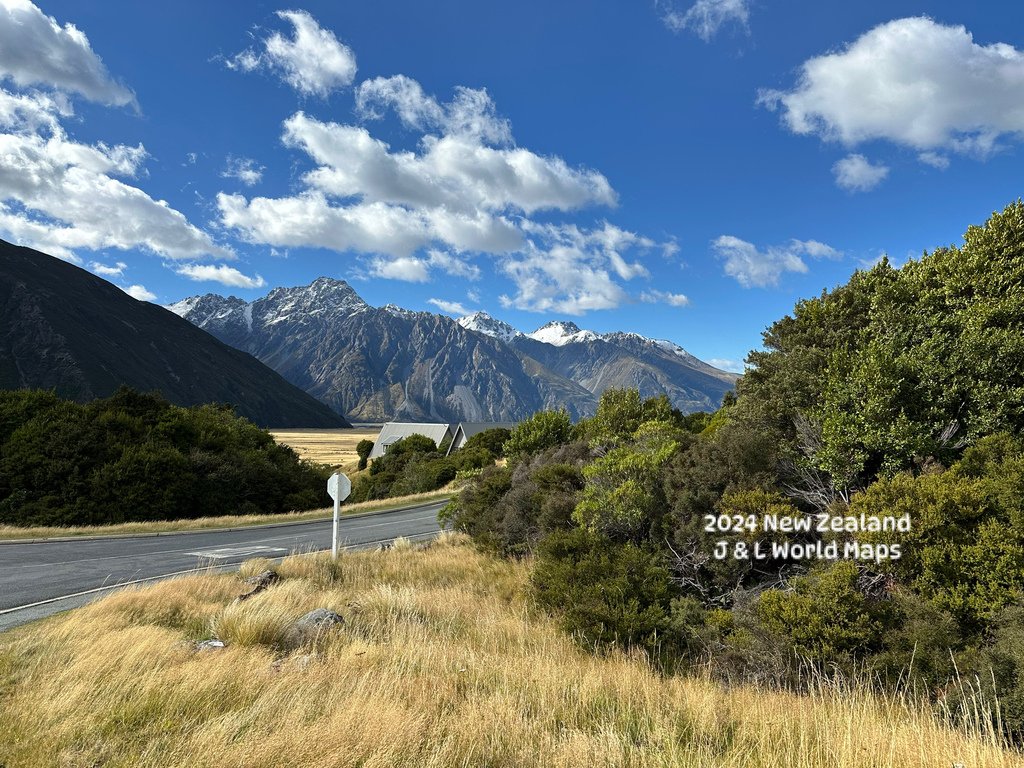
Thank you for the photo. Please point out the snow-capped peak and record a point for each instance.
(483, 323)
(562, 332)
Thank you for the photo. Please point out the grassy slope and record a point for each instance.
(442, 662)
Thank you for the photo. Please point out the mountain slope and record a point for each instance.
(68, 330)
(388, 363)
(627, 360)
(392, 363)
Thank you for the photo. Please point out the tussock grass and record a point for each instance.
(442, 661)
(11, 532)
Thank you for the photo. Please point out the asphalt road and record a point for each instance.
(40, 579)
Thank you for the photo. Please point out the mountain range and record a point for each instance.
(388, 363)
(63, 328)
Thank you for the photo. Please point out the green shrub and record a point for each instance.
(544, 429)
(134, 456)
(492, 439)
(606, 593)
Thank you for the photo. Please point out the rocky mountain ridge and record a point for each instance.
(373, 364)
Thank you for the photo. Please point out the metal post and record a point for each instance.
(334, 535)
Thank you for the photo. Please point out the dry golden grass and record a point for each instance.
(11, 532)
(336, 447)
(442, 662)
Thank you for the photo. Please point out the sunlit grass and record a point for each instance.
(442, 661)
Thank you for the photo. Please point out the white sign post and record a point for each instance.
(339, 487)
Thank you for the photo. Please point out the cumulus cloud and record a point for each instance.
(59, 195)
(312, 61)
(855, 173)
(36, 50)
(219, 273)
(706, 17)
(664, 297)
(450, 307)
(105, 270)
(471, 113)
(913, 82)
(572, 271)
(754, 267)
(242, 168)
(419, 269)
(139, 292)
(461, 189)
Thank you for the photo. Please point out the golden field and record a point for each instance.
(442, 661)
(336, 447)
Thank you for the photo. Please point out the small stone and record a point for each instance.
(312, 625)
(259, 582)
(209, 645)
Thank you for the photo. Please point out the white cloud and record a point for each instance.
(312, 61)
(934, 159)
(913, 82)
(664, 297)
(105, 270)
(450, 307)
(471, 113)
(245, 170)
(572, 271)
(139, 292)
(418, 269)
(59, 195)
(219, 273)
(36, 50)
(706, 17)
(406, 268)
(454, 171)
(855, 173)
(462, 189)
(751, 266)
(724, 364)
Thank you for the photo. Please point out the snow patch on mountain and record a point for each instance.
(558, 333)
(483, 323)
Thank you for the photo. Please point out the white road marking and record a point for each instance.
(224, 553)
(178, 551)
(206, 568)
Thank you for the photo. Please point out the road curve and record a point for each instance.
(38, 579)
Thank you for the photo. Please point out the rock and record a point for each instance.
(312, 625)
(259, 582)
(210, 645)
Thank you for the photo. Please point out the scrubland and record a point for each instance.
(442, 661)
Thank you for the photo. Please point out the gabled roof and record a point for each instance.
(467, 429)
(394, 431)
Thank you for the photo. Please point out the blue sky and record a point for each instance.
(686, 171)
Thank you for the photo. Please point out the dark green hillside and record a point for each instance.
(64, 329)
(136, 457)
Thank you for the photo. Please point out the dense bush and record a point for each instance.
(545, 429)
(857, 405)
(415, 464)
(492, 440)
(134, 456)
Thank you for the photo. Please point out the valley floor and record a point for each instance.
(441, 661)
(336, 447)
